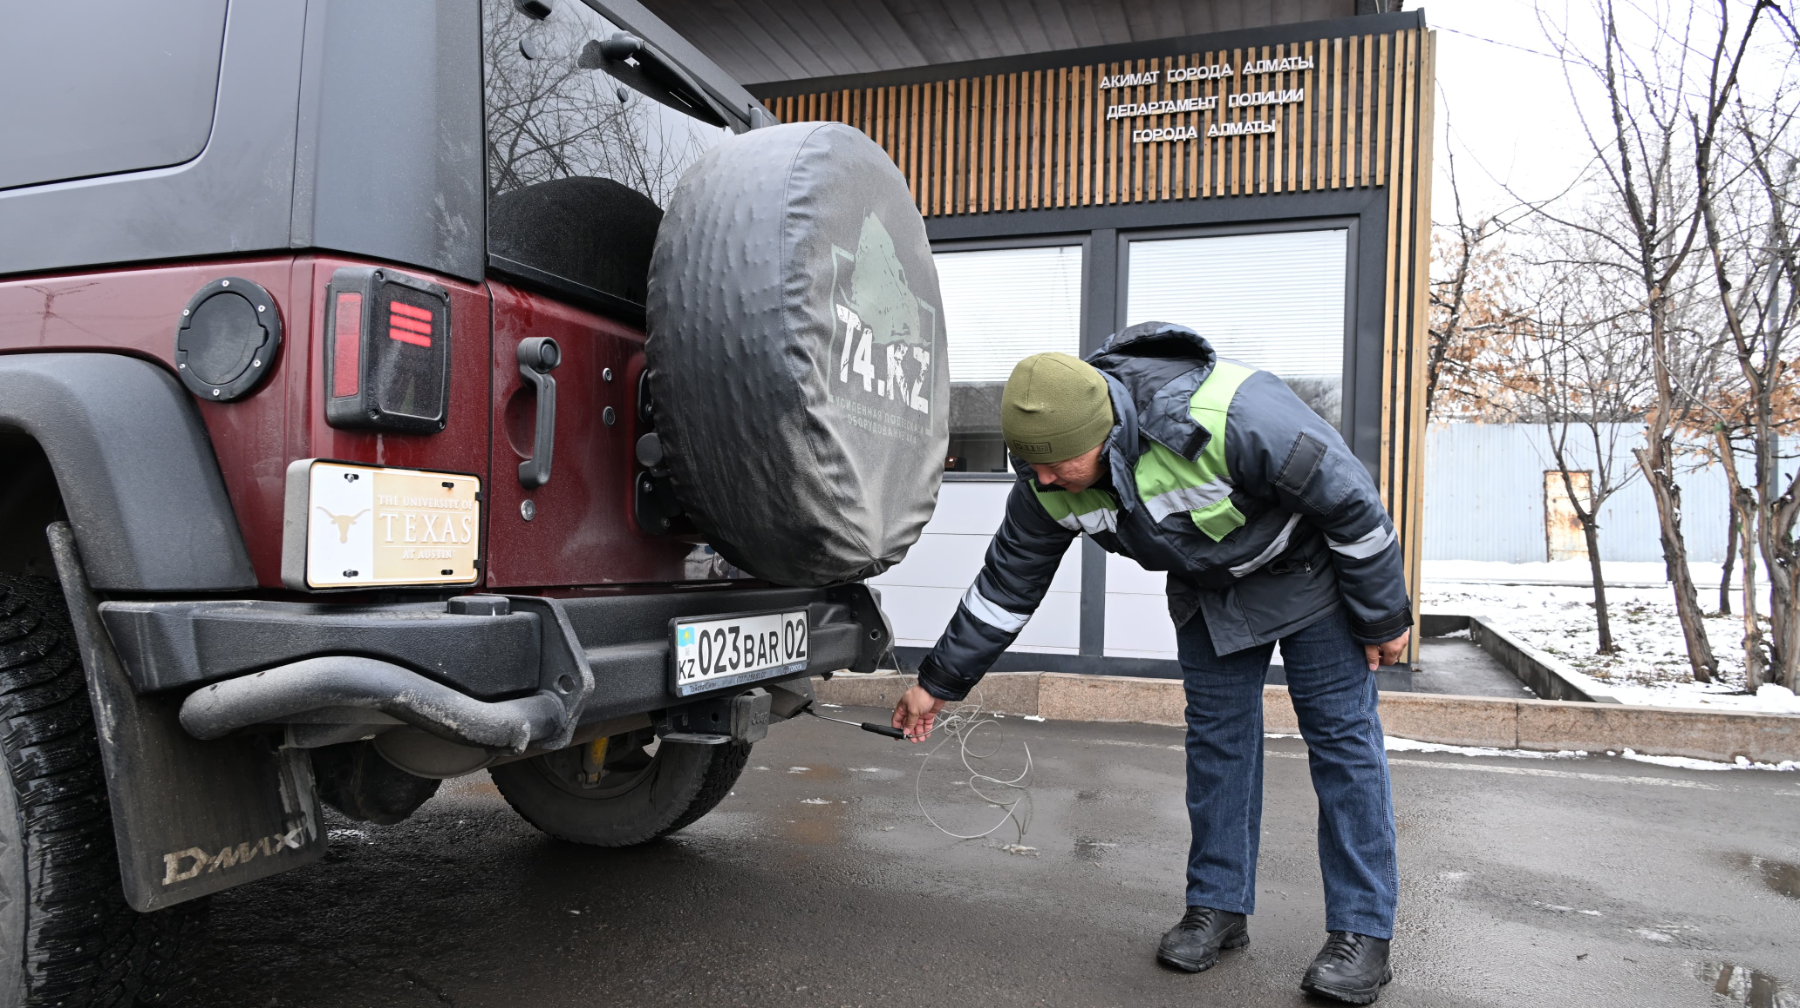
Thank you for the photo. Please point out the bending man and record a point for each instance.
(1271, 531)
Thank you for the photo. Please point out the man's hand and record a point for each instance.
(1379, 654)
(916, 712)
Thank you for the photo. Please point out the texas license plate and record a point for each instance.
(730, 650)
(370, 525)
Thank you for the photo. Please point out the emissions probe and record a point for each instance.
(868, 726)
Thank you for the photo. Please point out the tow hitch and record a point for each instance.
(718, 721)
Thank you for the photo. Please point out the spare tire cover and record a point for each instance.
(796, 354)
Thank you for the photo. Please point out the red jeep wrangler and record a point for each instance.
(390, 392)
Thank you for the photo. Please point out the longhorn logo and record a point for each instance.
(343, 522)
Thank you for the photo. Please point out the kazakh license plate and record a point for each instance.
(729, 650)
(370, 525)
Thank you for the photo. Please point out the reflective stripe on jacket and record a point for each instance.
(1221, 476)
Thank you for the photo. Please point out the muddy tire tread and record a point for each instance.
(721, 773)
(84, 947)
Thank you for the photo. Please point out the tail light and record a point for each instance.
(387, 352)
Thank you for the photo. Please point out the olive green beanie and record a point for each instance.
(1054, 408)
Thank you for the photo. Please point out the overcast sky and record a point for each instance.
(1505, 105)
(1504, 110)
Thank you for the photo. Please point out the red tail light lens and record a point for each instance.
(402, 382)
(409, 324)
(346, 344)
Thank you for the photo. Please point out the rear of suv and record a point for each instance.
(391, 392)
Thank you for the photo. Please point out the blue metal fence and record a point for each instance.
(1484, 496)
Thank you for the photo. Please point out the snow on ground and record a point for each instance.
(1650, 666)
(1395, 744)
(1576, 572)
(1685, 763)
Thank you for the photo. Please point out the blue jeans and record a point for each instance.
(1334, 695)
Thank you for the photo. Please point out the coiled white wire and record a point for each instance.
(961, 723)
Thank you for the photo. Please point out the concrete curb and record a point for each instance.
(1547, 675)
(1543, 725)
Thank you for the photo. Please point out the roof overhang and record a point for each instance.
(774, 41)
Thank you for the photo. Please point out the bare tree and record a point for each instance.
(1741, 540)
(1584, 372)
(1734, 523)
(1643, 219)
(1472, 323)
(1745, 167)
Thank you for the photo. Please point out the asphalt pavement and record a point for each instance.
(1459, 665)
(1588, 882)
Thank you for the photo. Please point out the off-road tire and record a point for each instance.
(67, 936)
(682, 782)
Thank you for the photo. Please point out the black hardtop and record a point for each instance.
(185, 129)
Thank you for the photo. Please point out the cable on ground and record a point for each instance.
(961, 724)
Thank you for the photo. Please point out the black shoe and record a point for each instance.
(1351, 967)
(1194, 943)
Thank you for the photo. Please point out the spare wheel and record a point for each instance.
(796, 355)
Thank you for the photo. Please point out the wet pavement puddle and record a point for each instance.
(1090, 849)
(876, 773)
(1739, 985)
(1779, 876)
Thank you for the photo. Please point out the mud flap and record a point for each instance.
(190, 817)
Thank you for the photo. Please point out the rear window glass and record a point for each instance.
(96, 88)
(580, 164)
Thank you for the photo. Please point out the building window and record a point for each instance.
(1274, 301)
(1000, 306)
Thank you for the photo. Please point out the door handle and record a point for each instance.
(538, 356)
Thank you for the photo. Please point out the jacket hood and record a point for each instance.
(1157, 339)
(1161, 364)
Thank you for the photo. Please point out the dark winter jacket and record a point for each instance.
(1218, 474)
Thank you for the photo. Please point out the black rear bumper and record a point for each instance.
(537, 669)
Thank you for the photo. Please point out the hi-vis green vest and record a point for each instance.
(1219, 475)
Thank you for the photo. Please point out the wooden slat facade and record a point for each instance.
(1039, 139)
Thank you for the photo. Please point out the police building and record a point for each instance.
(1257, 171)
